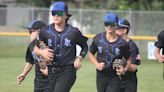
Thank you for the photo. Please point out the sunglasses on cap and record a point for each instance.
(58, 13)
(111, 24)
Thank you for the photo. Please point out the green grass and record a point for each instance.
(149, 77)
(13, 46)
(10, 68)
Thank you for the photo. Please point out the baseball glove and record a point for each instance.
(118, 62)
(43, 62)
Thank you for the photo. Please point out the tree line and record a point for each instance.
(102, 4)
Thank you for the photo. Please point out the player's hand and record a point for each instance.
(20, 78)
(100, 66)
(47, 54)
(77, 62)
(120, 70)
(44, 71)
(161, 58)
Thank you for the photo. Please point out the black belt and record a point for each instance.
(58, 69)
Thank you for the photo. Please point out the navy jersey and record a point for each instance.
(131, 77)
(160, 41)
(41, 81)
(63, 43)
(135, 56)
(107, 52)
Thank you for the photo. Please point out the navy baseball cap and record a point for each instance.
(36, 25)
(123, 23)
(60, 6)
(111, 18)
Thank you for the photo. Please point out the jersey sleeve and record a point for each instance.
(159, 44)
(82, 42)
(29, 56)
(32, 44)
(135, 56)
(93, 46)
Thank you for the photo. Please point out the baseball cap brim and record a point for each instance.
(69, 15)
(36, 25)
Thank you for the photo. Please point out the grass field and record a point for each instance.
(149, 77)
(12, 62)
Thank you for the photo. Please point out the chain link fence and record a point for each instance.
(89, 21)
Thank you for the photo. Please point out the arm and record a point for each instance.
(128, 64)
(132, 68)
(127, 55)
(46, 53)
(91, 55)
(158, 56)
(99, 66)
(135, 57)
(25, 71)
(82, 42)
(77, 62)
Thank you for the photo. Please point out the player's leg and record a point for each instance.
(52, 80)
(114, 85)
(101, 82)
(46, 90)
(65, 81)
(38, 90)
(42, 88)
(132, 87)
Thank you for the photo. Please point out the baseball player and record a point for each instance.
(159, 46)
(61, 38)
(109, 47)
(129, 80)
(41, 79)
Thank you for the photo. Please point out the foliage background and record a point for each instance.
(103, 4)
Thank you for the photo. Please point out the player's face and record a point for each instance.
(110, 27)
(59, 17)
(121, 31)
(34, 34)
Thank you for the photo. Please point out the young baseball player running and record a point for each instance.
(61, 38)
(41, 79)
(159, 46)
(109, 48)
(129, 80)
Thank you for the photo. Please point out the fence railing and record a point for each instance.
(149, 38)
